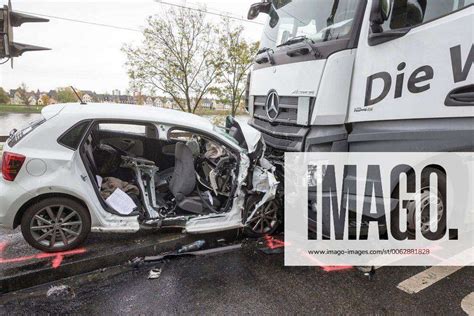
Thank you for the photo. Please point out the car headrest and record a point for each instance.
(194, 146)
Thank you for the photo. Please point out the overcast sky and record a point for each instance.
(87, 56)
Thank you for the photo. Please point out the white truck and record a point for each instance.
(364, 76)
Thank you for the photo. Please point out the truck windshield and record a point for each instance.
(316, 20)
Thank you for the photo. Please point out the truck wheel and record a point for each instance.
(265, 221)
(56, 224)
(423, 197)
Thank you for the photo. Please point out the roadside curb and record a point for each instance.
(38, 273)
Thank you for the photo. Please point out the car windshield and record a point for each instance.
(317, 20)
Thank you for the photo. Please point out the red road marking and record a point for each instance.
(336, 268)
(273, 243)
(3, 246)
(56, 262)
(56, 258)
(326, 268)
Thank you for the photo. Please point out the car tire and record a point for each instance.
(270, 226)
(56, 224)
(441, 200)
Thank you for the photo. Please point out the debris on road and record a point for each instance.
(368, 271)
(219, 250)
(192, 247)
(60, 291)
(154, 274)
(184, 251)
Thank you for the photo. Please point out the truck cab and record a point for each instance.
(364, 76)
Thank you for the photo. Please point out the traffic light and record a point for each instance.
(9, 20)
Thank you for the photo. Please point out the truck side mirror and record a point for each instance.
(381, 10)
(257, 8)
(386, 8)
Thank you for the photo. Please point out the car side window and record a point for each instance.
(411, 13)
(123, 128)
(73, 136)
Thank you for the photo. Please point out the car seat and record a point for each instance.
(183, 184)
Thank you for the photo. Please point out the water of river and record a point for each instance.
(9, 121)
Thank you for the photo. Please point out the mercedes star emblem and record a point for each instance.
(272, 105)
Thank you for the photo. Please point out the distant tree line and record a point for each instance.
(22, 96)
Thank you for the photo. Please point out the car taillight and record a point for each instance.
(11, 165)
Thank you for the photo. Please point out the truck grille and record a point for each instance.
(283, 137)
(283, 133)
(288, 109)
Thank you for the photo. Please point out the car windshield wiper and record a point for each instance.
(297, 39)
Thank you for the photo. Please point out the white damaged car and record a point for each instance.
(122, 168)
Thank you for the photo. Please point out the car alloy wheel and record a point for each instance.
(56, 226)
(265, 220)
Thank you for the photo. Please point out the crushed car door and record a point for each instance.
(263, 184)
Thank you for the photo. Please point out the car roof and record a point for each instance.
(131, 112)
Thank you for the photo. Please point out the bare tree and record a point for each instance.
(237, 57)
(176, 58)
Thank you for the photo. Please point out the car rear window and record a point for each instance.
(72, 138)
(16, 136)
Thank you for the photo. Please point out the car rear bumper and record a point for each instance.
(12, 198)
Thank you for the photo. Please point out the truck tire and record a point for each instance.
(56, 224)
(424, 196)
(267, 219)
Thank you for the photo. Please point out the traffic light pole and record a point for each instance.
(8, 20)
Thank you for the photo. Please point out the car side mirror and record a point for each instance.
(257, 8)
(381, 10)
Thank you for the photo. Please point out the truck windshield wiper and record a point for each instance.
(297, 39)
(263, 50)
(301, 51)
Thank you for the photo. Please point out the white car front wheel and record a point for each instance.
(266, 219)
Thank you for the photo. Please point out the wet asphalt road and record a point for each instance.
(246, 282)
